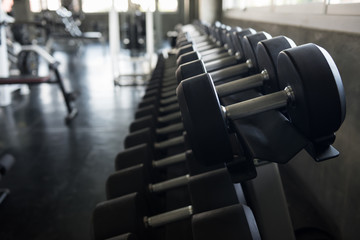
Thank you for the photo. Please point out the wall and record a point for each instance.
(331, 187)
(210, 10)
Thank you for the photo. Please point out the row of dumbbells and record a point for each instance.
(238, 96)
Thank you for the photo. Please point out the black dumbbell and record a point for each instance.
(236, 68)
(209, 191)
(197, 67)
(168, 91)
(312, 95)
(265, 61)
(233, 50)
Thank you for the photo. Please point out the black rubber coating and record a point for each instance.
(188, 57)
(118, 216)
(267, 53)
(237, 37)
(212, 190)
(232, 223)
(204, 120)
(250, 43)
(190, 69)
(319, 108)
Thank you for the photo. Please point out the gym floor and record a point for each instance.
(60, 171)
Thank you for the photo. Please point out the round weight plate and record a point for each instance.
(319, 108)
(188, 57)
(237, 41)
(203, 120)
(267, 53)
(190, 69)
(185, 49)
(249, 43)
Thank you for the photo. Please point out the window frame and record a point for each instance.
(343, 17)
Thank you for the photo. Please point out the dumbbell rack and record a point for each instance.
(255, 141)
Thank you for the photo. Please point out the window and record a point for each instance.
(344, 15)
(93, 6)
(39, 5)
(168, 5)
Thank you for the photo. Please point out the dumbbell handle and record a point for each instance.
(232, 71)
(168, 217)
(169, 184)
(181, 157)
(169, 117)
(259, 104)
(169, 143)
(216, 64)
(169, 108)
(242, 84)
(170, 129)
(168, 100)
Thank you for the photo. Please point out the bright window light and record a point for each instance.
(294, 2)
(53, 5)
(257, 3)
(168, 5)
(145, 5)
(35, 5)
(39, 5)
(121, 5)
(343, 1)
(93, 6)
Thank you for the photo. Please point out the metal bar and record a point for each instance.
(169, 143)
(168, 100)
(169, 217)
(169, 117)
(241, 84)
(257, 105)
(169, 108)
(170, 129)
(170, 184)
(220, 63)
(181, 157)
(228, 72)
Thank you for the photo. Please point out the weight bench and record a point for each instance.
(51, 78)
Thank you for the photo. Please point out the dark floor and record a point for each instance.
(60, 171)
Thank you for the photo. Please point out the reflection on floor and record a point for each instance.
(60, 171)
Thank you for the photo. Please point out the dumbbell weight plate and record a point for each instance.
(209, 112)
(319, 94)
(267, 52)
(209, 147)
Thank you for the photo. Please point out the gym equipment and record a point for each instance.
(264, 61)
(221, 61)
(232, 50)
(208, 191)
(235, 67)
(147, 135)
(310, 112)
(57, 79)
(197, 67)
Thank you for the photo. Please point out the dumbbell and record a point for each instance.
(209, 191)
(233, 50)
(197, 67)
(203, 43)
(265, 61)
(224, 58)
(312, 95)
(267, 51)
(247, 54)
(217, 47)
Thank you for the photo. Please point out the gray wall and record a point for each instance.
(332, 187)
